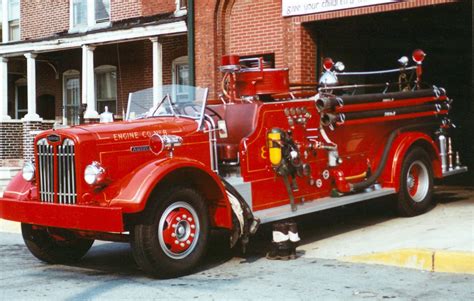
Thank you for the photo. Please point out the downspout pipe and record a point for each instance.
(191, 64)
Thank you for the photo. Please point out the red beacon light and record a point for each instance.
(328, 63)
(418, 56)
(156, 144)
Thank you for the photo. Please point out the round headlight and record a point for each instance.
(93, 174)
(28, 171)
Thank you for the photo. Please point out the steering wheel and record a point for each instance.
(214, 113)
(195, 109)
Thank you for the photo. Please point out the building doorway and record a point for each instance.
(46, 106)
(21, 98)
(72, 97)
(377, 41)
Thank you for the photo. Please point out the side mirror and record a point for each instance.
(222, 126)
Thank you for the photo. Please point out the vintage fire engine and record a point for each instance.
(264, 152)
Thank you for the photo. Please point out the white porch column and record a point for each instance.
(4, 89)
(88, 82)
(31, 86)
(84, 75)
(157, 71)
(5, 28)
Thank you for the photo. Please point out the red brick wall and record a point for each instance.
(173, 48)
(153, 7)
(42, 18)
(11, 138)
(207, 47)
(16, 141)
(125, 9)
(255, 29)
(247, 27)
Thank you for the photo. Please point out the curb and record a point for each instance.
(421, 259)
(9, 226)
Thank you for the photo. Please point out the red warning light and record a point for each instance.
(328, 63)
(418, 56)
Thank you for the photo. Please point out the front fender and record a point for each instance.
(20, 190)
(400, 146)
(135, 188)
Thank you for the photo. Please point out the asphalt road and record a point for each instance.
(109, 272)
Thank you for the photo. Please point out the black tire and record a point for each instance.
(175, 239)
(416, 184)
(55, 245)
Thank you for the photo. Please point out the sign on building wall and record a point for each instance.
(303, 7)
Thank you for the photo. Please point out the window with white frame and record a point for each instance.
(9, 20)
(106, 88)
(71, 97)
(14, 20)
(182, 4)
(102, 11)
(181, 7)
(181, 76)
(87, 14)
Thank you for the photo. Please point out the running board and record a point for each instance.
(282, 212)
(455, 171)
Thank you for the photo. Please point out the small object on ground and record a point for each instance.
(285, 240)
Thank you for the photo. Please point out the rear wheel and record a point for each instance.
(55, 245)
(416, 184)
(176, 239)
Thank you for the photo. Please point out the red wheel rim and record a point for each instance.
(417, 181)
(413, 180)
(178, 230)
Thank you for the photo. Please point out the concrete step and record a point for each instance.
(6, 174)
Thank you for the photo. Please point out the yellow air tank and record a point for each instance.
(274, 146)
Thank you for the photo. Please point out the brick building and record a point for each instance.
(97, 51)
(58, 57)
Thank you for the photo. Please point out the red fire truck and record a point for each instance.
(265, 151)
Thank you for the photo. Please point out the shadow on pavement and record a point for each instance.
(332, 222)
(107, 258)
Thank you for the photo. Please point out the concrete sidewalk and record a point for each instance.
(441, 240)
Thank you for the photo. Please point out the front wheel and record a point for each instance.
(416, 183)
(54, 245)
(176, 240)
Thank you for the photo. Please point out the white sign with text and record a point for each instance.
(303, 7)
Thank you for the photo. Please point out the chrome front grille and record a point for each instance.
(46, 171)
(57, 172)
(66, 173)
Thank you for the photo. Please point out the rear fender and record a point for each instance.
(136, 188)
(401, 145)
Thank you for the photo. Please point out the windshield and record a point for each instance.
(171, 100)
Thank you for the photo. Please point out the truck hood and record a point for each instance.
(132, 130)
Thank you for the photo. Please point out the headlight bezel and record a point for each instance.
(28, 171)
(94, 174)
